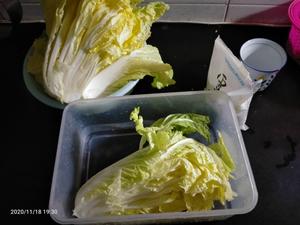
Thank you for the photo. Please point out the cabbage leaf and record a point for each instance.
(87, 37)
(170, 172)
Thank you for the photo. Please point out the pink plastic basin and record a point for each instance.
(294, 35)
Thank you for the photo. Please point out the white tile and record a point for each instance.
(258, 14)
(201, 13)
(260, 2)
(198, 13)
(32, 12)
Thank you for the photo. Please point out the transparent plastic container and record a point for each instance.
(96, 133)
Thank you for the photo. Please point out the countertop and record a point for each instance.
(31, 129)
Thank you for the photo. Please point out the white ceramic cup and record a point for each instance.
(263, 59)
